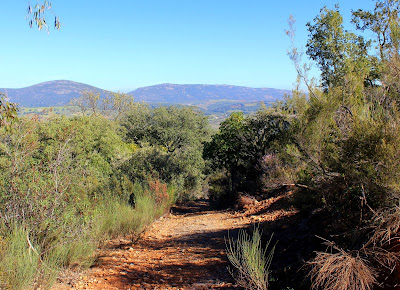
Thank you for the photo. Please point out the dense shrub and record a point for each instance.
(62, 191)
(168, 143)
(338, 142)
(347, 132)
(241, 147)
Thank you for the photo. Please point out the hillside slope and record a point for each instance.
(60, 92)
(48, 94)
(195, 94)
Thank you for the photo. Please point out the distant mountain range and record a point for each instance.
(48, 94)
(59, 93)
(195, 94)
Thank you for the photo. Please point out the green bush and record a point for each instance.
(241, 146)
(220, 189)
(62, 189)
(168, 143)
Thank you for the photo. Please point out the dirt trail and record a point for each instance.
(184, 250)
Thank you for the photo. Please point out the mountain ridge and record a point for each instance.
(197, 93)
(48, 94)
(60, 92)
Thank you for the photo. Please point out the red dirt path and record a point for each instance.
(184, 250)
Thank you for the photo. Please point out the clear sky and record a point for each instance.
(125, 44)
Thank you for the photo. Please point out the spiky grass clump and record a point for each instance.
(250, 259)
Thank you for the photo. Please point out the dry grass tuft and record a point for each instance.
(387, 260)
(383, 246)
(341, 271)
(388, 229)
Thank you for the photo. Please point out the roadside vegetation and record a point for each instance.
(251, 260)
(69, 183)
(337, 143)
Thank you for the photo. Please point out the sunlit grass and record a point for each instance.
(250, 259)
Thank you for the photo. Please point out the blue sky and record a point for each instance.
(121, 45)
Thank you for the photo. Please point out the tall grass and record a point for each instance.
(59, 197)
(114, 219)
(24, 264)
(19, 261)
(250, 259)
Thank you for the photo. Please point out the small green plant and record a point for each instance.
(250, 259)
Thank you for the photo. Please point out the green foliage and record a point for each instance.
(337, 52)
(383, 22)
(8, 111)
(343, 133)
(240, 145)
(251, 260)
(169, 145)
(220, 187)
(62, 191)
(339, 141)
(225, 147)
(345, 136)
(117, 104)
(46, 167)
(173, 128)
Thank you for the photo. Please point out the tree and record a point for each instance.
(351, 132)
(225, 148)
(336, 51)
(348, 135)
(114, 105)
(383, 21)
(87, 103)
(118, 104)
(173, 128)
(240, 145)
(167, 142)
